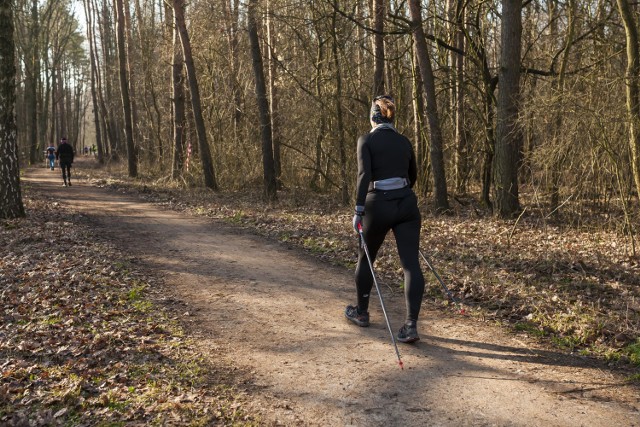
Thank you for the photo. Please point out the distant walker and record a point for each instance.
(65, 154)
(51, 155)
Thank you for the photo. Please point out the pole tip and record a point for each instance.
(401, 364)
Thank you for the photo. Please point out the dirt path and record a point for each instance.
(277, 315)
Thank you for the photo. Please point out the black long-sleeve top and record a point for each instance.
(65, 153)
(382, 154)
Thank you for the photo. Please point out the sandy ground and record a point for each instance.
(276, 316)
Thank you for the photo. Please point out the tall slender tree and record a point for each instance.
(461, 158)
(273, 92)
(109, 79)
(94, 71)
(322, 121)
(342, 149)
(419, 132)
(269, 172)
(560, 88)
(508, 130)
(378, 43)
(132, 155)
(10, 194)
(32, 69)
(426, 72)
(132, 74)
(232, 13)
(632, 81)
(196, 104)
(179, 116)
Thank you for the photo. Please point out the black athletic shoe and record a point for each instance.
(69, 183)
(408, 333)
(360, 319)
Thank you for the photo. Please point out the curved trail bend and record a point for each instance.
(277, 315)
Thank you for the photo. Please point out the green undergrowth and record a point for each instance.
(633, 352)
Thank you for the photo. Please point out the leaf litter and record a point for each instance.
(82, 341)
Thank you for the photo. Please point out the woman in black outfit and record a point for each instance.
(385, 201)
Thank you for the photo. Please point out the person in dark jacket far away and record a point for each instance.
(385, 201)
(65, 154)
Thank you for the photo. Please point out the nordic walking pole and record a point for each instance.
(375, 281)
(435, 273)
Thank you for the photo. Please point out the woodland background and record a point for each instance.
(274, 93)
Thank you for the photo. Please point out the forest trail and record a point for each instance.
(277, 316)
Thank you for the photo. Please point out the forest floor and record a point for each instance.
(127, 301)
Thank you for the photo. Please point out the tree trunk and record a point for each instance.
(10, 195)
(489, 140)
(33, 76)
(44, 116)
(556, 166)
(179, 115)
(633, 87)
(79, 107)
(508, 131)
(489, 83)
(131, 72)
(426, 72)
(461, 159)
(203, 145)
(273, 96)
(321, 129)
(111, 117)
(232, 16)
(344, 188)
(361, 48)
(263, 105)
(61, 97)
(104, 88)
(418, 127)
(94, 96)
(124, 90)
(378, 41)
(55, 136)
(148, 58)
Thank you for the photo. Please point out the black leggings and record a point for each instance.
(398, 211)
(66, 171)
